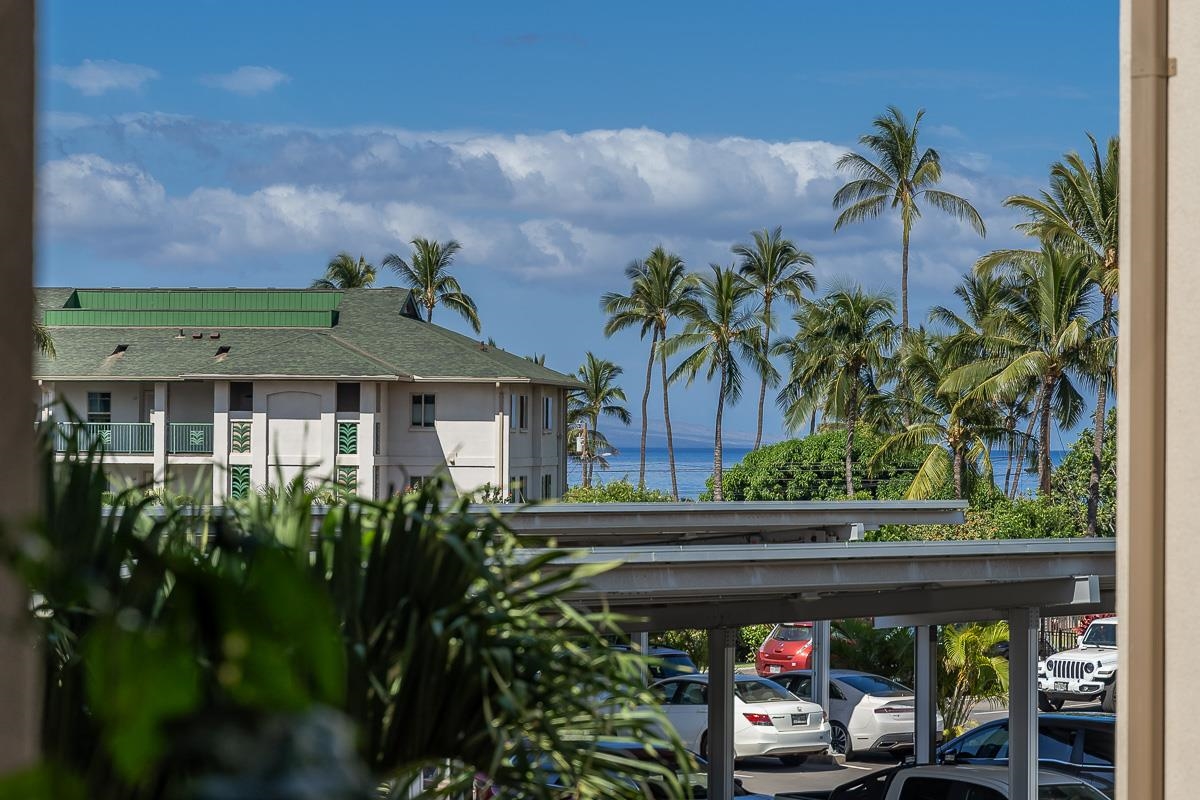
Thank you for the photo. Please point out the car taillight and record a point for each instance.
(758, 719)
(894, 710)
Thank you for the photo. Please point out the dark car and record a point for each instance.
(671, 662)
(1079, 744)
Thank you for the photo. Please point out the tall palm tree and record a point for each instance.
(344, 272)
(901, 176)
(972, 335)
(600, 396)
(849, 338)
(721, 327)
(1080, 212)
(955, 433)
(1046, 337)
(427, 273)
(776, 268)
(660, 288)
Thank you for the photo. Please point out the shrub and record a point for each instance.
(621, 491)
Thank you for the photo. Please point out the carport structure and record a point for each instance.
(720, 566)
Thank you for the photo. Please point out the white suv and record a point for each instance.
(1086, 673)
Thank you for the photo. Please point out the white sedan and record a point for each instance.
(768, 720)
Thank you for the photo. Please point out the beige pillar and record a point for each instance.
(158, 416)
(367, 416)
(1143, 404)
(19, 692)
(220, 440)
(260, 446)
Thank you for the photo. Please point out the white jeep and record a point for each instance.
(1086, 673)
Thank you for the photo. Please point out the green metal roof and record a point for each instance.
(222, 308)
(366, 333)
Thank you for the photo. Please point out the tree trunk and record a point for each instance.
(667, 422)
(762, 389)
(1008, 455)
(1044, 440)
(645, 402)
(958, 473)
(718, 466)
(584, 456)
(1093, 502)
(851, 419)
(904, 284)
(1024, 445)
(812, 423)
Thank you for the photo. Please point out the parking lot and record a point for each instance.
(768, 776)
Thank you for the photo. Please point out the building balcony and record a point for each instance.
(190, 438)
(112, 437)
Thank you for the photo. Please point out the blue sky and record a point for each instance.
(205, 144)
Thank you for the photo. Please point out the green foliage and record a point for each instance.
(1070, 479)
(996, 517)
(813, 468)
(967, 672)
(693, 641)
(858, 644)
(620, 491)
(752, 636)
(416, 634)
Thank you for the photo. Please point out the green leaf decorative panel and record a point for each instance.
(196, 437)
(347, 479)
(347, 438)
(239, 437)
(239, 481)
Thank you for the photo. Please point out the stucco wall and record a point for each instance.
(190, 401)
(126, 397)
(464, 428)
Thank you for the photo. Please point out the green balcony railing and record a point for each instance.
(114, 437)
(190, 437)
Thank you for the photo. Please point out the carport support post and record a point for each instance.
(925, 667)
(641, 642)
(820, 665)
(721, 646)
(1022, 703)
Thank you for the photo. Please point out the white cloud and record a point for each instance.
(571, 207)
(97, 77)
(247, 80)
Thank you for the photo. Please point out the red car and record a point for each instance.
(788, 647)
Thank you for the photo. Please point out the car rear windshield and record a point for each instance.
(1101, 635)
(792, 633)
(760, 691)
(875, 685)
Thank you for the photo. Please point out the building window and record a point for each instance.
(348, 396)
(99, 407)
(547, 413)
(547, 486)
(422, 411)
(518, 412)
(241, 396)
(517, 482)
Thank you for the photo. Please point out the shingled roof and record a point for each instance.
(175, 334)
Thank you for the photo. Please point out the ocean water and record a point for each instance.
(693, 467)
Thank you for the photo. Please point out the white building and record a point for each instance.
(217, 392)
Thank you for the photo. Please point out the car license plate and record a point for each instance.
(1060, 686)
(799, 719)
(774, 669)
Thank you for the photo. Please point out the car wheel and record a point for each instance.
(839, 738)
(1109, 701)
(1046, 704)
(792, 761)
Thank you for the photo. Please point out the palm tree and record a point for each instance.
(1080, 212)
(660, 288)
(1045, 337)
(42, 340)
(343, 272)
(846, 342)
(774, 266)
(600, 396)
(972, 335)
(427, 273)
(970, 672)
(954, 432)
(721, 328)
(900, 176)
